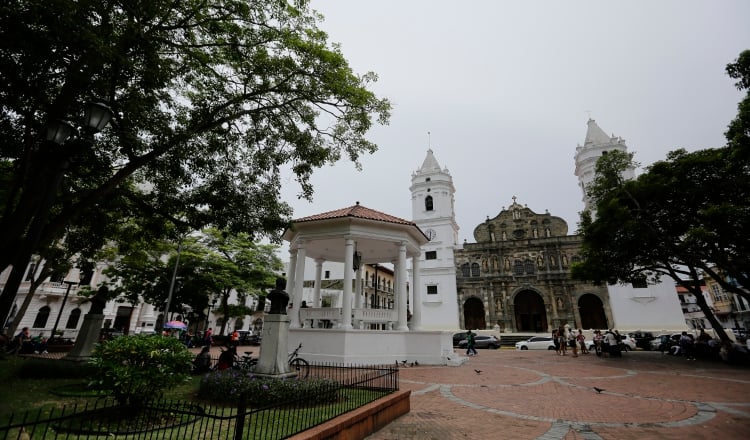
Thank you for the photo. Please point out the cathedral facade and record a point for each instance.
(516, 276)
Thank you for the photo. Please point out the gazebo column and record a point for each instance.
(299, 282)
(358, 294)
(318, 278)
(316, 291)
(401, 291)
(346, 298)
(416, 290)
(290, 272)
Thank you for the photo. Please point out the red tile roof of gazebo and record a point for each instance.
(357, 211)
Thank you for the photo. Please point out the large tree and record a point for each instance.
(212, 101)
(212, 264)
(685, 217)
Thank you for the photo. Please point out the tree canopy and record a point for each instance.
(212, 102)
(212, 265)
(685, 216)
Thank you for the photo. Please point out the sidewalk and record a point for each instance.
(540, 395)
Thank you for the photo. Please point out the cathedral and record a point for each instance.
(517, 276)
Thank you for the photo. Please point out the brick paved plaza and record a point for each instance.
(540, 395)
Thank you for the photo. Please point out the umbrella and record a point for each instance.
(176, 324)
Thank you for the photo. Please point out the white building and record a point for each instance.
(432, 201)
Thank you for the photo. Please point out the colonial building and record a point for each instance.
(517, 276)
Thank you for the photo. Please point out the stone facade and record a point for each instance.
(517, 276)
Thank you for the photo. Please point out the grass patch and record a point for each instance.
(47, 394)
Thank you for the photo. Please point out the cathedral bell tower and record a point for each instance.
(432, 204)
(597, 143)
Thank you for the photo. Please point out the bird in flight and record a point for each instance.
(478, 371)
(598, 390)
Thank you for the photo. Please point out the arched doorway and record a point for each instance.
(591, 309)
(474, 314)
(531, 315)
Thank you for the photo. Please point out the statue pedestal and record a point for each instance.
(273, 354)
(87, 338)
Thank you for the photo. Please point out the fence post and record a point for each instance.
(241, 412)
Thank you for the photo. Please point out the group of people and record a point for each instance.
(610, 342)
(564, 337)
(24, 343)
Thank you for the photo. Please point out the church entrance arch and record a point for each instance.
(591, 309)
(474, 314)
(531, 315)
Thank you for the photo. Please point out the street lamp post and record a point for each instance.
(208, 315)
(71, 280)
(171, 286)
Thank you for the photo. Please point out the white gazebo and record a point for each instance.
(357, 236)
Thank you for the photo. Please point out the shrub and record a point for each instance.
(140, 368)
(229, 386)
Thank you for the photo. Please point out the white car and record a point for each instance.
(536, 343)
(628, 343)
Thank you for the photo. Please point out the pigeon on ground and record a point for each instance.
(403, 363)
(598, 390)
(478, 371)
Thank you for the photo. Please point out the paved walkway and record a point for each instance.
(540, 395)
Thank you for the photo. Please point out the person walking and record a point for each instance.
(562, 340)
(571, 338)
(581, 339)
(470, 350)
(686, 346)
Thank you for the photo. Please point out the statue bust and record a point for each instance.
(279, 298)
(99, 300)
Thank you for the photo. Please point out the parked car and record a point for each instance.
(642, 339)
(536, 343)
(458, 337)
(248, 338)
(627, 342)
(665, 341)
(481, 341)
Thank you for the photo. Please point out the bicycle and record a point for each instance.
(296, 363)
(246, 362)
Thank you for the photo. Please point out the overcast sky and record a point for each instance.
(505, 88)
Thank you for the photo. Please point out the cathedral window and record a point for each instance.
(529, 266)
(430, 255)
(432, 290)
(518, 267)
(475, 269)
(465, 270)
(328, 274)
(41, 317)
(428, 203)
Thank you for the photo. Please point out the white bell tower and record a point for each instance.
(432, 204)
(596, 144)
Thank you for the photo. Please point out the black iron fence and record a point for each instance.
(357, 386)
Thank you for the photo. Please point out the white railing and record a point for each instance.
(312, 316)
(375, 315)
